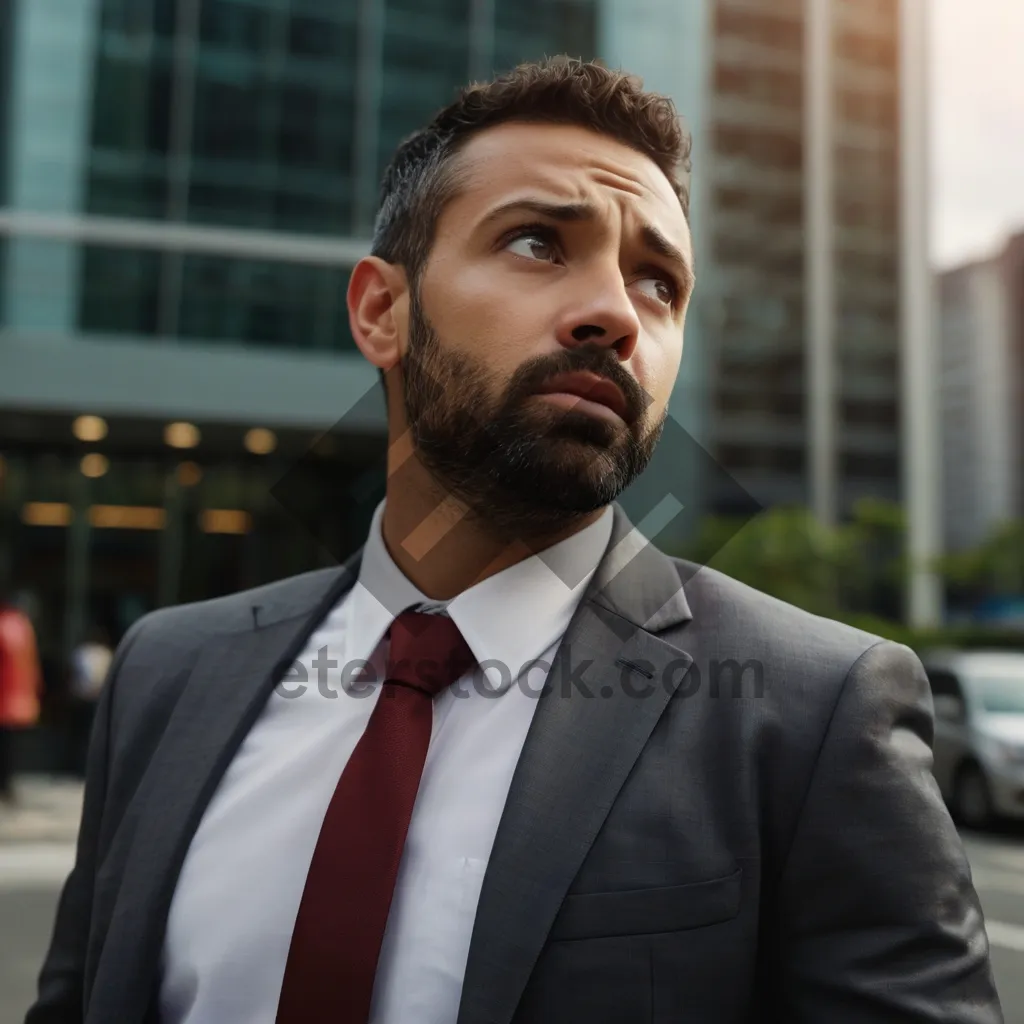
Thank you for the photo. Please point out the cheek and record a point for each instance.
(488, 323)
(656, 366)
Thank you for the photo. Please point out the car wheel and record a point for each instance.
(972, 800)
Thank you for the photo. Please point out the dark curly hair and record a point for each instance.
(421, 179)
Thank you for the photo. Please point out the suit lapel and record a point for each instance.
(225, 693)
(588, 731)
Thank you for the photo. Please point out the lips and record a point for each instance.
(590, 387)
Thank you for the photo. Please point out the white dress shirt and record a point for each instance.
(231, 918)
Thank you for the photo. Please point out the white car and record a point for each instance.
(979, 732)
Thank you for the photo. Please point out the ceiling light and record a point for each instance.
(89, 428)
(126, 517)
(181, 435)
(260, 441)
(46, 513)
(225, 520)
(94, 465)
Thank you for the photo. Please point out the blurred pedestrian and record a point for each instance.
(20, 686)
(90, 662)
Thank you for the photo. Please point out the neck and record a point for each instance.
(440, 546)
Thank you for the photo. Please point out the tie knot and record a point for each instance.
(427, 652)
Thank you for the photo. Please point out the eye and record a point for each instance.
(660, 289)
(533, 243)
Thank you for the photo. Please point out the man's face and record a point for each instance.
(562, 268)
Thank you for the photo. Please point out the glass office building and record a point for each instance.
(273, 116)
(867, 249)
(764, 257)
(185, 185)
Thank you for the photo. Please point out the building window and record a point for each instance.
(263, 303)
(772, 30)
(868, 466)
(251, 302)
(863, 413)
(765, 147)
(271, 145)
(120, 291)
(762, 458)
(529, 29)
(775, 86)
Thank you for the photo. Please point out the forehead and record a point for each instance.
(565, 162)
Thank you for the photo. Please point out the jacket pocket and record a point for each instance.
(671, 908)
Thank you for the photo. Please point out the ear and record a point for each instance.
(378, 310)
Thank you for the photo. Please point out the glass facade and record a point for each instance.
(220, 299)
(867, 247)
(51, 49)
(225, 112)
(424, 57)
(758, 247)
(759, 276)
(6, 57)
(275, 116)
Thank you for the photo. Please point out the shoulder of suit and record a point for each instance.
(192, 625)
(721, 601)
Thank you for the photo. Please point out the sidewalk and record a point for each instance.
(48, 811)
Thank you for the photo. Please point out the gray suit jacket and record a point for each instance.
(676, 845)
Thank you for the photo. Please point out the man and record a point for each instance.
(347, 796)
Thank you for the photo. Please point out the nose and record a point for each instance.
(603, 314)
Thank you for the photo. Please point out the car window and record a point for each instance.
(1001, 695)
(944, 684)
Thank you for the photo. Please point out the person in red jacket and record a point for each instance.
(20, 685)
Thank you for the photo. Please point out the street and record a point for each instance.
(997, 864)
(36, 852)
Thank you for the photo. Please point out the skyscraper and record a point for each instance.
(814, 296)
(982, 397)
(804, 148)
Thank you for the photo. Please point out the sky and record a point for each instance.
(977, 137)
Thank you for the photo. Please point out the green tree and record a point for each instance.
(995, 568)
(784, 552)
(875, 538)
(856, 568)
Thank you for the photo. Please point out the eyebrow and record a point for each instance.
(661, 246)
(574, 213)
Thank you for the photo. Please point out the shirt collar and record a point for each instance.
(508, 619)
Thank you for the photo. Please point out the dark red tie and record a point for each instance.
(340, 925)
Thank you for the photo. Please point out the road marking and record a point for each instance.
(1009, 936)
(1012, 859)
(999, 881)
(30, 864)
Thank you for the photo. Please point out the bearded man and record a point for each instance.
(504, 800)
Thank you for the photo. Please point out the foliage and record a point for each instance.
(877, 569)
(784, 552)
(856, 572)
(993, 569)
(976, 637)
(787, 553)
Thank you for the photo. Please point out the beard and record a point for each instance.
(520, 466)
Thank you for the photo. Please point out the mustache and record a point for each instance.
(597, 359)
